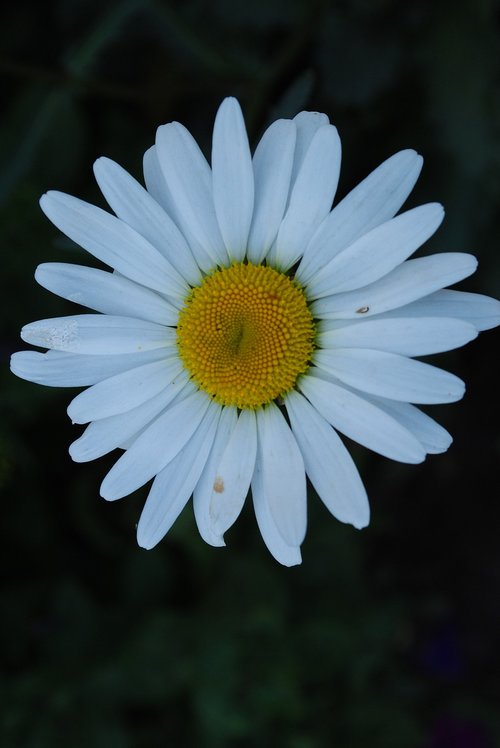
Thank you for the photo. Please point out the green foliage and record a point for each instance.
(386, 638)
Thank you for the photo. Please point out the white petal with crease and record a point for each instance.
(283, 475)
(361, 421)
(204, 488)
(328, 463)
(189, 181)
(434, 438)
(311, 196)
(125, 391)
(481, 311)
(113, 242)
(106, 434)
(108, 293)
(234, 473)
(408, 282)
(307, 125)
(287, 555)
(156, 184)
(376, 199)
(378, 252)
(134, 205)
(97, 334)
(232, 176)
(391, 375)
(408, 336)
(272, 164)
(174, 485)
(61, 369)
(155, 447)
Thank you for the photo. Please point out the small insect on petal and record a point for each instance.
(219, 485)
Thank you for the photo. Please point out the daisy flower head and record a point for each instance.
(247, 322)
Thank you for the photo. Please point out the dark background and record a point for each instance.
(385, 638)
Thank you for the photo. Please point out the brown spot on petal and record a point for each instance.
(218, 485)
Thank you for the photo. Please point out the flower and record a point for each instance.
(247, 322)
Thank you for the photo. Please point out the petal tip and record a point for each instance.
(148, 537)
(101, 163)
(43, 200)
(361, 523)
(41, 272)
(230, 101)
(145, 544)
(106, 491)
(25, 333)
(13, 364)
(295, 561)
(72, 413)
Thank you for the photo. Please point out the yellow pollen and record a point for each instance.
(245, 334)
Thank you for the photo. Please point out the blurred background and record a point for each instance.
(385, 638)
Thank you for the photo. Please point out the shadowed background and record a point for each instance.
(386, 637)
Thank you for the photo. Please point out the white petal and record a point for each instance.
(375, 200)
(113, 242)
(125, 391)
(272, 164)
(378, 252)
(189, 181)
(391, 375)
(286, 554)
(283, 474)
(202, 493)
(232, 176)
(271, 256)
(157, 186)
(328, 463)
(134, 205)
(101, 437)
(97, 334)
(311, 196)
(60, 369)
(409, 336)
(307, 125)
(481, 311)
(176, 392)
(174, 485)
(155, 447)
(411, 280)
(234, 473)
(155, 182)
(434, 438)
(108, 293)
(361, 421)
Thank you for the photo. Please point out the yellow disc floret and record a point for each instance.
(245, 334)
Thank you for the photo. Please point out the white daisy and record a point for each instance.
(246, 322)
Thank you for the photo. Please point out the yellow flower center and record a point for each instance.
(245, 334)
